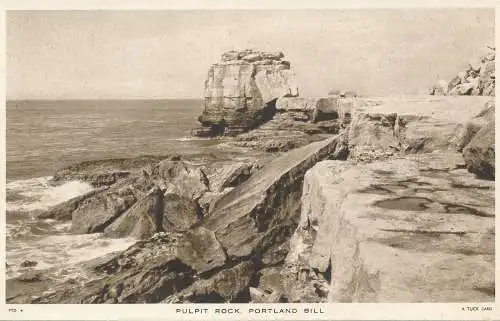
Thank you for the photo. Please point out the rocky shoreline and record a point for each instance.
(333, 199)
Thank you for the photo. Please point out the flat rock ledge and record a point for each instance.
(411, 229)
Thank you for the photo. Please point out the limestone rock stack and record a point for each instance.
(241, 89)
(477, 80)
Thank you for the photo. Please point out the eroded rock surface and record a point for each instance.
(479, 154)
(147, 272)
(418, 125)
(401, 230)
(217, 259)
(474, 125)
(298, 122)
(142, 220)
(241, 90)
(256, 215)
(477, 79)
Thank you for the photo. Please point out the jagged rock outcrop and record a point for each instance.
(403, 126)
(228, 285)
(400, 230)
(218, 259)
(142, 220)
(94, 214)
(479, 154)
(105, 172)
(146, 272)
(63, 211)
(116, 210)
(298, 122)
(241, 89)
(477, 79)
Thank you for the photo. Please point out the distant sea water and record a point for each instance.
(43, 136)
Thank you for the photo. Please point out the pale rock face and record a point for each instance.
(479, 154)
(405, 126)
(400, 230)
(316, 109)
(474, 125)
(241, 89)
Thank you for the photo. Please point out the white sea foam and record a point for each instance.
(37, 193)
(62, 253)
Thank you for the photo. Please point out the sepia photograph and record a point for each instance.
(250, 156)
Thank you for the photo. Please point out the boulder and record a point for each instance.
(479, 154)
(230, 175)
(180, 213)
(472, 126)
(97, 212)
(240, 94)
(291, 283)
(172, 176)
(462, 89)
(181, 178)
(142, 220)
(400, 230)
(229, 285)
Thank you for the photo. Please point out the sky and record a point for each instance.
(166, 54)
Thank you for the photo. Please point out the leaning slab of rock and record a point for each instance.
(257, 216)
(401, 230)
(95, 213)
(479, 154)
(142, 220)
(240, 91)
(229, 175)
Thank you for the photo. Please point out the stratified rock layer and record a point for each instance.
(389, 127)
(240, 91)
(401, 230)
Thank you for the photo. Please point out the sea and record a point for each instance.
(44, 136)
